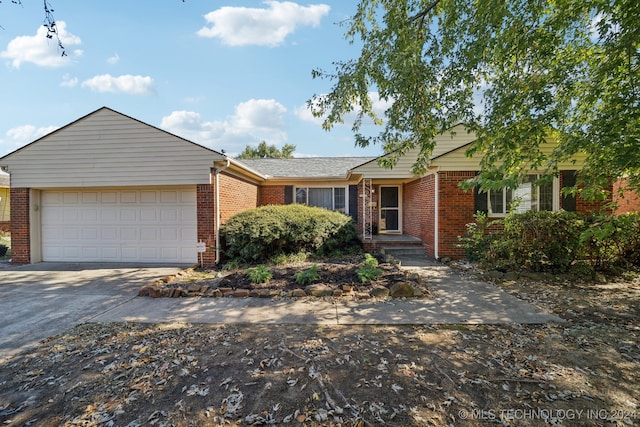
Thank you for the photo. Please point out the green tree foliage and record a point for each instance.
(264, 151)
(567, 69)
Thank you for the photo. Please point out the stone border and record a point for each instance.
(412, 287)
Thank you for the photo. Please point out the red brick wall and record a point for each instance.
(627, 201)
(236, 195)
(206, 215)
(20, 229)
(272, 195)
(418, 217)
(456, 209)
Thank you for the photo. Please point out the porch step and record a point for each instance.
(404, 251)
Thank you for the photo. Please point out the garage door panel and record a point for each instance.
(150, 225)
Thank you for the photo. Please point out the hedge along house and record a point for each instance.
(110, 188)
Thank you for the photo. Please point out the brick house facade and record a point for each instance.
(204, 188)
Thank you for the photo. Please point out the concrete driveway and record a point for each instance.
(45, 299)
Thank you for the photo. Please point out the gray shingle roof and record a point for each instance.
(305, 167)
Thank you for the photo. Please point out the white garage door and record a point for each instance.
(132, 225)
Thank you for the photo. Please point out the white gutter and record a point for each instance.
(216, 173)
(435, 219)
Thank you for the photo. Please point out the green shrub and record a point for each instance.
(611, 242)
(308, 276)
(259, 274)
(477, 238)
(537, 241)
(556, 242)
(369, 271)
(259, 234)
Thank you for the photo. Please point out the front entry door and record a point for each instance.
(390, 213)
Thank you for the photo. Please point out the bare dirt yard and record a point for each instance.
(581, 372)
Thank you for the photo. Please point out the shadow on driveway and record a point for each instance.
(45, 299)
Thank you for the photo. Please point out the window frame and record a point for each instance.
(345, 188)
(555, 189)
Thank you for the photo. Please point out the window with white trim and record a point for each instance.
(332, 198)
(527, 197)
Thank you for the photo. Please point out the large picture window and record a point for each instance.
(332, 198)
(527, 197)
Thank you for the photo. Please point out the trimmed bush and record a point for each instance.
(257, 235)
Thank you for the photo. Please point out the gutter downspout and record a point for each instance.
(216, 173)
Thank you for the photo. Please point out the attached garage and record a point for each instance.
(116, 225)
(110, 188)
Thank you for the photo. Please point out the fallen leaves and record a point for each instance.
(181, 375)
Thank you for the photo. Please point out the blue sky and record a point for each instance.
(224, 74)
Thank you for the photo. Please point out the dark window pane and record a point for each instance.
(390, 219)
(321, 197)
(389, 197)
(339, 199)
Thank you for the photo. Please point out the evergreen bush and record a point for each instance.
(258, 234)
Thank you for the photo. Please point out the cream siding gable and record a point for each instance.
(457, 160)
(453, 139)
(106, 148)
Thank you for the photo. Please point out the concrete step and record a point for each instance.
(404, 251)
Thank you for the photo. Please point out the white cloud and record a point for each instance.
(134, 85)
(68, 81)
(379, 106)
(28, 133)
(241, 26)
(21, 135)
(40, 50)
(113, 59)
(254, 121)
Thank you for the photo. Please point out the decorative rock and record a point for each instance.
(318, 290)
(379, 292)
(155, 292)
(225, 290)
(216, 293)
(144, 291)
(347, 288)
(401, 289)
(241, 293)
(337, 292)
(363, 295)
(194, 288)
(298, 293)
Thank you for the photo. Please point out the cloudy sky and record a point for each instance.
(224, 74)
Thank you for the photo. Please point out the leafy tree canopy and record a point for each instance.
(264, 151)
(567, 69)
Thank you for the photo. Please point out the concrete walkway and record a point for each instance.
(457, 300)
(42, 300)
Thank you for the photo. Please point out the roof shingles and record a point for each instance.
(305, 167)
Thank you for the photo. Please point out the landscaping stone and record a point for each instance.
(401, 289)
(298, 293)
(318, 290)
(241, 293)
(379, 292)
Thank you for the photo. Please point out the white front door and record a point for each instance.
(390, 220)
